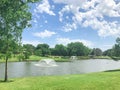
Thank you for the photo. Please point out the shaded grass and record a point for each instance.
(94, 81)
(112, 70)
(115, 58)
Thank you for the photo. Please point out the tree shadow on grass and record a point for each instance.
(2, 81)
(116, 70)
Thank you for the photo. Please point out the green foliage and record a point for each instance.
(118, 41)
(42, 49)
(38, 52)
(116, 48)
(29, 47)
(14, 17)
(20, 57)
(96, 52)
(2, 56)
(26, 55)
(60, 50)
(77, 49)
(108, 52)
(28, 50)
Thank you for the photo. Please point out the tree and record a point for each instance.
(43, 49)
(116, 48)
(77, 49)
(28, 50)
(108, 52)
(96, 52)
(60, 50)
(118, 41)
(14, 18)
(38, 52)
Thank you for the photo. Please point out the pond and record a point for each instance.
(25, 69)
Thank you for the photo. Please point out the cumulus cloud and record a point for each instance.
(44, 7)
(65, 41)
(33, 42)
(92, 13)
(104, 28)
(69, 27)
(44, 34)
(71, 2)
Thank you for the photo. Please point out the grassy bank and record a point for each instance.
(102, 57)
(37, 58)
(115, 58)
(95, 81)
(56, 58)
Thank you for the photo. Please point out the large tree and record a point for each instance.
(60, 50)
(14, 17)
(108, 52)
(77, 49)
(42, 49)
(116, 48)
(28, 50)
(96, 52)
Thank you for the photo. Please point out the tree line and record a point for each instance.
(72, 49)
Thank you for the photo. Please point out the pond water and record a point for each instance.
(25, 69)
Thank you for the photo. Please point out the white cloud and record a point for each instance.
(69, 27)
(65, 41)
(71, 2)
(67, 9)
(46, 21)
(44, 34)
(104, 28)
(33, 42)
(107, 7)
(92, 13)
(44, 7)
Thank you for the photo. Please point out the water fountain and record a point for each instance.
(46, 63)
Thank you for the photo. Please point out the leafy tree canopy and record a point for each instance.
(14, 17)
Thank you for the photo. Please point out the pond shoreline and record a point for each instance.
(23, 69)
(58, 58)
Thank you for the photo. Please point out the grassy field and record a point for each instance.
(94, 81)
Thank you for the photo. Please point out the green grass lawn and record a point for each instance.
(94, 81)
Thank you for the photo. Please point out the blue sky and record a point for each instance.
(96, 23)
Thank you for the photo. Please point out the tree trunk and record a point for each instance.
(6, 70)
